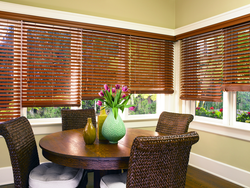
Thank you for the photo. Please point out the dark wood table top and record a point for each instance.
(68, 148)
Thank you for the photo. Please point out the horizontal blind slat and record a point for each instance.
(201, 66)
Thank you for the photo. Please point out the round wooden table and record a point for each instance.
(69, 149)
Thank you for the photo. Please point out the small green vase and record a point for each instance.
(89, 132)
(113, 129)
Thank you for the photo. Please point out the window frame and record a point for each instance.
(125, 117)
(226, 127)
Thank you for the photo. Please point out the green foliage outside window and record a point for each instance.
(209, 109)
(243, 107)
(144, 104)
(44, 112)
(87, 104)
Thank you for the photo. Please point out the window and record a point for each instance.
(44, 112)
(209, 109)
(46, 67)
(243, 107)
(201, 65)
(87, 104)
(10, 95)
(144, 104)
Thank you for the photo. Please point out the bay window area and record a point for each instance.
(215, 76)
(49, 67)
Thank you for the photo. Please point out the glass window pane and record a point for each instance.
(144, 104)
(243, 107)
(87, 104)
(44, 112)
(209, 109)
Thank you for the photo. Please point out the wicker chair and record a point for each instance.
(76, 119)
(173, 123)
(27, 170)
(159, 161)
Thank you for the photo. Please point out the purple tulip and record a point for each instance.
(101, 94)
(113, 90)
(124, 88)
(106, 87)
(117, 86)
(124, 95)
(99, 103)
(108, 90)
(131, 108)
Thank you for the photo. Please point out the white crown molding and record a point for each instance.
(219, 169)
(49, 13)
(214, 20)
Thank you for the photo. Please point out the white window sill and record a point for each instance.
(239, 131)
(141, 117)
(51, 125)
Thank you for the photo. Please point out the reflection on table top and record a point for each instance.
(68, 148)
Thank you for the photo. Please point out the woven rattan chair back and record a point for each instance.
(22, 147)
(173, 123)
(160, 161)
(77, 118)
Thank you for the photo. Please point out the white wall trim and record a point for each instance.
(6, 175)
(49, 13)
(222, 170)
(215, 19)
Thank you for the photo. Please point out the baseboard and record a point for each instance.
(6, 175)
(222, 170)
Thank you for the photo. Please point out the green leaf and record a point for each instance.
(127, 106)
(115, 112)
(117, 97)
(125, 101)
(122, 108)
(109, 97)
(99, 100)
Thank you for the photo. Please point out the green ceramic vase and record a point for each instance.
(113, 129)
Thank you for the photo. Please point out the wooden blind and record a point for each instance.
(201, 66)
(10, 63)
(105, 61)
(51, 65)
(236, 66)
(150, 65)
(145, 65)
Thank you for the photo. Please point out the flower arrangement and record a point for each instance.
(115, 98)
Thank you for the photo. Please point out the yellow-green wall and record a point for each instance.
(169, 14)
(190, 11)
(5, 157)
(159, 13)
(224, 149)
(164, 13)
